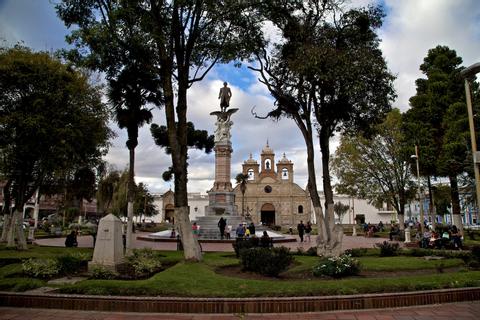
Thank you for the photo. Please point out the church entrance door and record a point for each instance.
(267, 214)
(170, 213)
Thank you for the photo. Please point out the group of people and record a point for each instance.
(304, 230)
(449, 238)
(244, 231)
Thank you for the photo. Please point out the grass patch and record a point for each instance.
(40, 252)
(199, 280)
(202, 280)
(405, 263)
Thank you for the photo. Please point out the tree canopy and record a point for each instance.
(376, 168)
(176, 43)
(52, 122)
(327, 75)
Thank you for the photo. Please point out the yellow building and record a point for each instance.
(271, 195)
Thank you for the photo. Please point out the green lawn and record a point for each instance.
(203, 280)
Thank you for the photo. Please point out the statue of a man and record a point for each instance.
(224, 95)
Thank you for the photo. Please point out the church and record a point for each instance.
(272, 197)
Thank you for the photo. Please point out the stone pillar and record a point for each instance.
(223, 158)
(221, 198)
(108, 250)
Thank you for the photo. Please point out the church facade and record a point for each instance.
(272, 197)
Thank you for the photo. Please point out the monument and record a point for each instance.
(221, 196)
(108, 251)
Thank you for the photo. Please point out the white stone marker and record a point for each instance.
(108, 250)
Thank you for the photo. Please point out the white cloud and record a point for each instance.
(413, 27)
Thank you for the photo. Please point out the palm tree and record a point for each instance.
(242, 180)
(129, 97)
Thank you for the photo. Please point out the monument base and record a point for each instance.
(221, 203)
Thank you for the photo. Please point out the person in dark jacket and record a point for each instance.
(71, 240)
(221, 225)
(301, 230)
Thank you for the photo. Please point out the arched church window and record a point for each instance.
(267, 164)
(300, 209)
(251, 174)
(284, 174)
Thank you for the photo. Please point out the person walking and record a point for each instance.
(308, 231)
(221, 225)
(301, 230)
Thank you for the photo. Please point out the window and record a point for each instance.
(267, 164)
(268, 189)
(284, 174)
(251, 174)
(300, 209)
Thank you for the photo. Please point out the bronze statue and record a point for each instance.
(224, 95)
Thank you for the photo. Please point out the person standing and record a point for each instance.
(308, 231)
(221, 225)
(301, 230)
(251, 227)
(195, 230)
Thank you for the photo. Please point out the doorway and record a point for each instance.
(267, 214)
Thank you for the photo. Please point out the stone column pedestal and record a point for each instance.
(221, 198)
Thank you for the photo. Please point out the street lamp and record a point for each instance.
(415, 156)
(468, 74)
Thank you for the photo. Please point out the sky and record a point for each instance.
(410, 29)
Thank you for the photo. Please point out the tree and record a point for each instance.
(437, 119)
(107, 187)
(196, 139)
(242, 180)
(144, 202)
(327, 75)
(376, 166)
(52, 120)
(179, 43)
(340, 210)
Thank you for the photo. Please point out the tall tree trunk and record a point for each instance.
(18, 229)
(333, 244)
(130, 198)
(177, 135)
(456, 213)
(7, 215)
(431, 208)
(6, 225)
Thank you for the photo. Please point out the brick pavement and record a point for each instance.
(349, 242)
(457, 311)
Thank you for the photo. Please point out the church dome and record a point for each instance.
(284, 160)
(267, 149)
(251, 160)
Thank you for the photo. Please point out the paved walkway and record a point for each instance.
(456, 311)
(349, 242)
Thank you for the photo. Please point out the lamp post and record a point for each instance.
(415, 156)
(468, 74)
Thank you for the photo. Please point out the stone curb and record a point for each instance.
(237, 305)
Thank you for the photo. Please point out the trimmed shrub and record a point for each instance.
(241, 244)
(144, 261)
(356, 252)
(388, 249)
(73, 263)
(41, 268)
(266, 261)
(337, 267)
(100, 272)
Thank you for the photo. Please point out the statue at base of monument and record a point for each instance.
(222, 132)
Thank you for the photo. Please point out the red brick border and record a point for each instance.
(237, 305)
